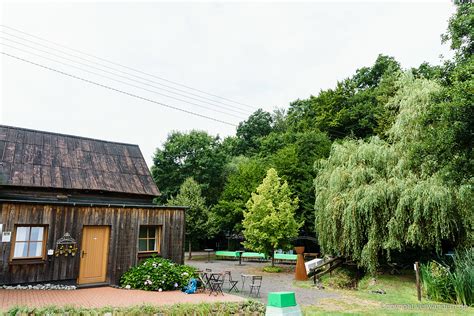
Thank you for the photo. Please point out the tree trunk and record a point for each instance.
(273, 259)
(190, 255)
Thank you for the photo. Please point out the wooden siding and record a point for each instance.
(124, 225)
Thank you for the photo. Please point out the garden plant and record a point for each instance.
(157, 274)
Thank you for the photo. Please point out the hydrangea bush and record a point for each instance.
(157, 274)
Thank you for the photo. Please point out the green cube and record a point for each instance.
(281, 299)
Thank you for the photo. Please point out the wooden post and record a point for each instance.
(300, 271)
(418, 285)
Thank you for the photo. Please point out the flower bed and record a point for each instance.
(157, 274)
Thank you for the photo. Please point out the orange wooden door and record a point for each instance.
(94, 253)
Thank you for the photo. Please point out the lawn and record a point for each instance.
(399, 299)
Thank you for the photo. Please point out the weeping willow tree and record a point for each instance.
(371, 201)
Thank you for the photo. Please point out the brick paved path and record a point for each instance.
(103, 296)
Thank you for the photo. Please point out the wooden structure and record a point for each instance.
(300, 272)
(79, 210)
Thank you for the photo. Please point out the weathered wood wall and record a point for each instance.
(124, 223)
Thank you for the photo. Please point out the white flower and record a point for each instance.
(159, 265)
(128, 286)
(159, 290)
(176, 285)
(148, 282)
(163, 281)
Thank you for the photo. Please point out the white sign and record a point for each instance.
(50, 252)
(6, 236)
(414, 266)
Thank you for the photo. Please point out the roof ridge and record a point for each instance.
(69, 135)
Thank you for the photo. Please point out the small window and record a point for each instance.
(29, 242)
(149, 239)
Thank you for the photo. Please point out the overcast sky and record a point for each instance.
(259, 54)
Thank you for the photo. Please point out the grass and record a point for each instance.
(273, 269)
(249, 307)
(400, 299)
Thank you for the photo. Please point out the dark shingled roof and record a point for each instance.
(39, 159)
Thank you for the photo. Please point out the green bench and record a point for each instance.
(227, 255)
(285, 257)
(254, 256)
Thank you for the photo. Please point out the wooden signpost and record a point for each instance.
(418, 285)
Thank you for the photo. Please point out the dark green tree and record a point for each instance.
(258, 124)
(195, 154)
(356, 107)
(243, 176)
(293, 156)
(460, 31)
(189, 195)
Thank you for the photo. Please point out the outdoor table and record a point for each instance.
(208, 254)
(240, 252)
(244, 277)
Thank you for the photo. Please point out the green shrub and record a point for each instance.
(249, 307)
(453, 285)
(437, 282)
(157, 274)
(271, 269)
(462, 277)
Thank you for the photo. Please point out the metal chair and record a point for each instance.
(256, 284)
(232, 283)
(203, 281)
(216, 281)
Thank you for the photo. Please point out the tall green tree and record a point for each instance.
(258, 124)
(195, 154)
(355, 107)
(372, 200)
(460, 31)
(269, 221)
(196, 213)
(293, 154)
(244, 175)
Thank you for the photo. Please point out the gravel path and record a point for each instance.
(272, 282)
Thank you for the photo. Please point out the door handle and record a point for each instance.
(83, 253)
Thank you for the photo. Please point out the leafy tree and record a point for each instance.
(370, 200)
(196, 213)
(293, 156)
(195, 154)
(244, 175)
(269, 222)
(461, 31)
(446, 146)
(354, 108)
(257, 125)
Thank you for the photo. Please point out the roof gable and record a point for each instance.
(49, 160)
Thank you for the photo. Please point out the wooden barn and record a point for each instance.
(78, 210)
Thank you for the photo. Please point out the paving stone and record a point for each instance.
(103, 296)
